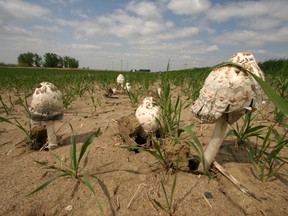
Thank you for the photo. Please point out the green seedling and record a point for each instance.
(196, 146)
(247, 130)
(135, 95)
(73, 169)
(4, 106)
(266, 158)
(169, 206)
(171, 111)
(24, 103)
(156, 151)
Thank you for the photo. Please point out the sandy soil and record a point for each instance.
(123, 178)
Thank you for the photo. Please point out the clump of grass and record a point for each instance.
(198, 149)
(135, 95)
(247, 130)
(169, 206)
(68, 97)
(170, 111)
(266, 158)
(156, 151)
(4, 107)
(73, 169)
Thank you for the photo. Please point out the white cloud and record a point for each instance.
(250, 38)
(63, 2)
(189, 7)
(79, 13)
(85, 46)
(249, 10)
(243, 9)
(178, 33)
(17, 9)
(144, 9)
(55, 29)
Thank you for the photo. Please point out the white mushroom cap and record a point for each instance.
(46, 104)
(128, 86)
(147, 114)
(120, 79)
(229, 90)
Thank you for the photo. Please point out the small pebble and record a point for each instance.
(68, 208)
(208, 195)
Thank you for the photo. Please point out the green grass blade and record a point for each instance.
(273, 96)
(45, 164)
(156, 155)
(47, 183)
(130, 147)
(159, 205)
(165, 194)
(73, 159)
(86, 144)
(197, 147)
(62, 162)
(87, 182)
(173, 190)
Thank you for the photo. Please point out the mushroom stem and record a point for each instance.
(51, 135)
(215, 143)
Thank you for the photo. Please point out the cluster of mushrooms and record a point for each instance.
(227, 94)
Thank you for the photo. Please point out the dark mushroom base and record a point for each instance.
(38, 137)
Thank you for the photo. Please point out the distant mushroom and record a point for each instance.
(120, 80)
(47, 106)
(148, 114)
(127, 87)
(227, 94)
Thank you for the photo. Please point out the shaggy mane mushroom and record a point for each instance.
(120, 80)
(47, 107)
(147, 114)
(227, 94)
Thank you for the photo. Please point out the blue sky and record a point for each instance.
(144, 34)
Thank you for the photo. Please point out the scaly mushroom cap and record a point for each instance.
(229, 90)
(120, 79)
(46, 104)
(147, 114)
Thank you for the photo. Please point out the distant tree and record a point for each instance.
(37, 60)
(26, 59)
(69, 62)
(66, 61)
(52, 60)
(74, 63)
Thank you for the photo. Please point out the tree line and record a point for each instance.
(49, 60)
